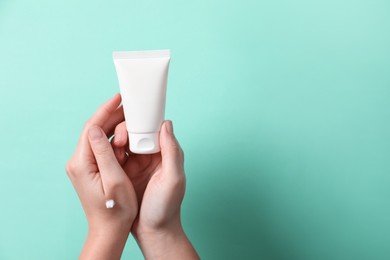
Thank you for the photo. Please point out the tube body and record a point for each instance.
(142, 77)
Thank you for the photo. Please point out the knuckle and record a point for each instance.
(71, 168)
(182, 154)
(87, 125)
(176, 150)
(179, 153)
(179, 181)
(112, 184)
(106, 109)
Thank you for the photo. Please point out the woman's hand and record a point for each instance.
(98, 177)
(159, 182)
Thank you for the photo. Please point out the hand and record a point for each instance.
(97, 176)
(159, 182)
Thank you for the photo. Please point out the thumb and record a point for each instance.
(171, 152)
(110, 170)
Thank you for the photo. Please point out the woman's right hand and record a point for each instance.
(159, 182)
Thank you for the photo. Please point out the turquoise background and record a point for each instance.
(282, 108)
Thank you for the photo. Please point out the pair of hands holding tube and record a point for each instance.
(146, 190)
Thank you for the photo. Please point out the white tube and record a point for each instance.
(142, 77)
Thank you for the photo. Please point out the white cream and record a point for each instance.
(110, 204)
(142, 77)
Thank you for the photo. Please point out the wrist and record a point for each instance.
(168, 242)
(105, 242)
(108, 231)
(156, 244)
(109, 228)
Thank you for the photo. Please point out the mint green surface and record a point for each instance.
(282, 108)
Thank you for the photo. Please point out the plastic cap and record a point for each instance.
(144, 143)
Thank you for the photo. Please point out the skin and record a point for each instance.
(148, 189)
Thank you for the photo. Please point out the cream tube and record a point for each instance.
(142, 77)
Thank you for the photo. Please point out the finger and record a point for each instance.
(120, 135)
(171, 152)
(116, 117)
(110, 170)
(120, 155)
(98, 118)
(105, 111)
(121, 139)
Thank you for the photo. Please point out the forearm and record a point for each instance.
(102, 245)
(166, 244)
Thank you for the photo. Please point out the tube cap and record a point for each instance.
(144, 143)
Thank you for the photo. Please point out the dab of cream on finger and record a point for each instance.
(110, 204)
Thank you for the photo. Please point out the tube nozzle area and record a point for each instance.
(144, 143)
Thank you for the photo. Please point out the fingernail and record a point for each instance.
(95, 133)
(169, 126)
